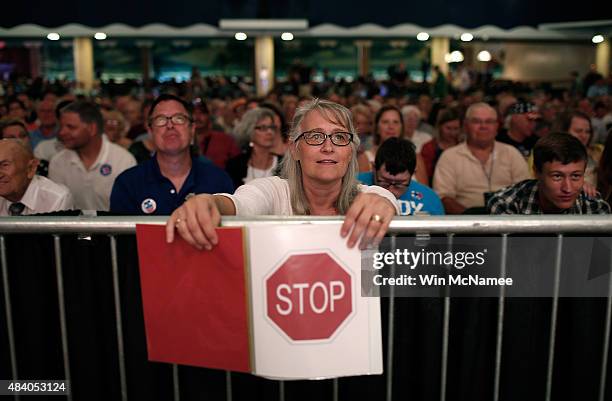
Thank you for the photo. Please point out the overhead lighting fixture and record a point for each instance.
(454, 57)
(422, 36)
(53, 36)
(100, 36)
(466, 37)
(597, 39)
(287, 36)
(240, 36)
(484, 56)
(263, 24)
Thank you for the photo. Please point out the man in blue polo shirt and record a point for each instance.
(394, 165)
(162, 184)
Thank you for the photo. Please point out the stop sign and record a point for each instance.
(309, 296)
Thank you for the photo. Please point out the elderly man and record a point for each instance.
(16, 129)
(90, 163)
(21, 190)
(481, 165)
(164, 182)
(559, 163)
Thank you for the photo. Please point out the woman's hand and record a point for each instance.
(589, 190)
(368, 218)
(195, 221)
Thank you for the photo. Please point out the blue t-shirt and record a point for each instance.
(143, 190)
(418, 198)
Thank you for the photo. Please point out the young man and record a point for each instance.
(559, 164)
(394, 165)
(164, 182)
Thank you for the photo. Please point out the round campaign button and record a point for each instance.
(148, 206)
(106, 169)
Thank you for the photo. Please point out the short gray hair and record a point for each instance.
(246, 127)
(411, 109)
(292, 171)
(476, 106)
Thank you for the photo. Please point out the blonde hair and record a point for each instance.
(292, 170)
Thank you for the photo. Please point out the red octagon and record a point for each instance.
(309, 296)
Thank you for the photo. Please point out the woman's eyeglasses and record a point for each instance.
(315, 138)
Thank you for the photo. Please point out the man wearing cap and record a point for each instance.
(90, 163)
(559, 164)
(23, 192)
(520, 134)
(172, 175)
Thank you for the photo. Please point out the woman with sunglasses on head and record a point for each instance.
(257, 134)
(318, 178)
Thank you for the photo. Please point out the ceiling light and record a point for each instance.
(597, 39)
(100, 36)
(53, 36)
(454, 57)
(240, 36)
(484, 56)
(466, 37)
(422, 36)
(287, 36)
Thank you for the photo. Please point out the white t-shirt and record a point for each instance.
(91, 187)
(253, 173)
(270, 196)
(45, 150)
(42, 196)
(420, 138)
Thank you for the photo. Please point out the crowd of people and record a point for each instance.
(474, 151)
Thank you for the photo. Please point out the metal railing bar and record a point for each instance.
(8, 312)
(391, 327)
(406, 224)
(606, 344)
(500, 319)
(553, 318)
(62, 308)
(118, 318)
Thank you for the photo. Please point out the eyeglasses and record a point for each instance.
(177, 119)
(266, 127)
(315, 138)
(400, 185)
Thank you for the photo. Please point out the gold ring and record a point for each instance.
(376, 218)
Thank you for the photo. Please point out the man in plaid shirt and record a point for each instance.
(559, 164)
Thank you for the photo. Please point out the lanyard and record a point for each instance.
(489, 174)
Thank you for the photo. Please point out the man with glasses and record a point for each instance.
(89, 163)
(481, 165)
(172, 175)
(394, 165)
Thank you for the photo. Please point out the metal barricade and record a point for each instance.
(445, 225)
